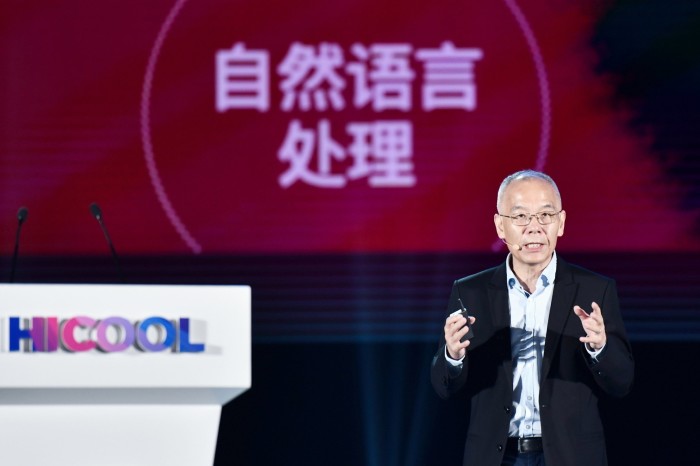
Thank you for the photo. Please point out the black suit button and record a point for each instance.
(599, 372)
(506, 409)
(543, 406)
(499, 447)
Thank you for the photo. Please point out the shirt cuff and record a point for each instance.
(454, 362)
(591, 352)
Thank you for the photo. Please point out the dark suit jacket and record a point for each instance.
(570, 383)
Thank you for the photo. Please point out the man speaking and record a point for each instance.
(543, 340)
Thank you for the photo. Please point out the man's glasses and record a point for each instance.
(544, 218)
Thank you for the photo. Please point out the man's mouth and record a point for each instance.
(533, 245)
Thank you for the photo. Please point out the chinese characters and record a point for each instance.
(319, 79)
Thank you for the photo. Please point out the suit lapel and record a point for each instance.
(500, 317)
(560, 311)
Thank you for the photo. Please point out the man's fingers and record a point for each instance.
(455, 328)
(455, 347)
(595, 341)
(457, 322)
(591, 341)
(452, 321)
(456, 343)
(593, 324)
(595, 316)
(463, 331)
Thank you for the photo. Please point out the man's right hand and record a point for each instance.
(455, 329)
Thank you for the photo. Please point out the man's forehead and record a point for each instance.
(529, 191)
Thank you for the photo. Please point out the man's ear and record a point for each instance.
(498, 222)
(562, 220)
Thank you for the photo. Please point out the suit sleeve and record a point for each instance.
(445, 378)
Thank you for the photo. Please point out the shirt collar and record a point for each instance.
(546, 277)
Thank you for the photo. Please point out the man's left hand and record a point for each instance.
(593, 325)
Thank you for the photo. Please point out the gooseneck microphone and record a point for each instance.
(22, 215)
(97, 213)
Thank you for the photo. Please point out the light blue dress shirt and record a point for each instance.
(529, 315)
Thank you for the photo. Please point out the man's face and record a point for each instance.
(530, 196)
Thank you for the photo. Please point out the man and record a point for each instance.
(548, 341)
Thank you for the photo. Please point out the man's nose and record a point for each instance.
(534, 227)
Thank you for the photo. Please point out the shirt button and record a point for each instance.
(527, 427)
(529, 398)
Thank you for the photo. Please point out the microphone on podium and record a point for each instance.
(22, 215)
(97, 213)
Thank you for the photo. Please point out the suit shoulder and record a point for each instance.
(581, 273)
(478, 279)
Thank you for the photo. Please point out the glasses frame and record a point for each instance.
(536, 215)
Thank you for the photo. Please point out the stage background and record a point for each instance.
(351, 217)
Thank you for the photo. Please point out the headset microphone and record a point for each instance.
(520, 248)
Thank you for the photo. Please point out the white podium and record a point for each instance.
(121, 375)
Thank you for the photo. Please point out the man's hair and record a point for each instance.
(525, 175)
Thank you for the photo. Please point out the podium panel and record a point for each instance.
(119, 374)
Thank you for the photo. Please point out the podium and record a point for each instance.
(121, 375)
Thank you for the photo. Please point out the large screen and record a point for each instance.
(211, 126)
